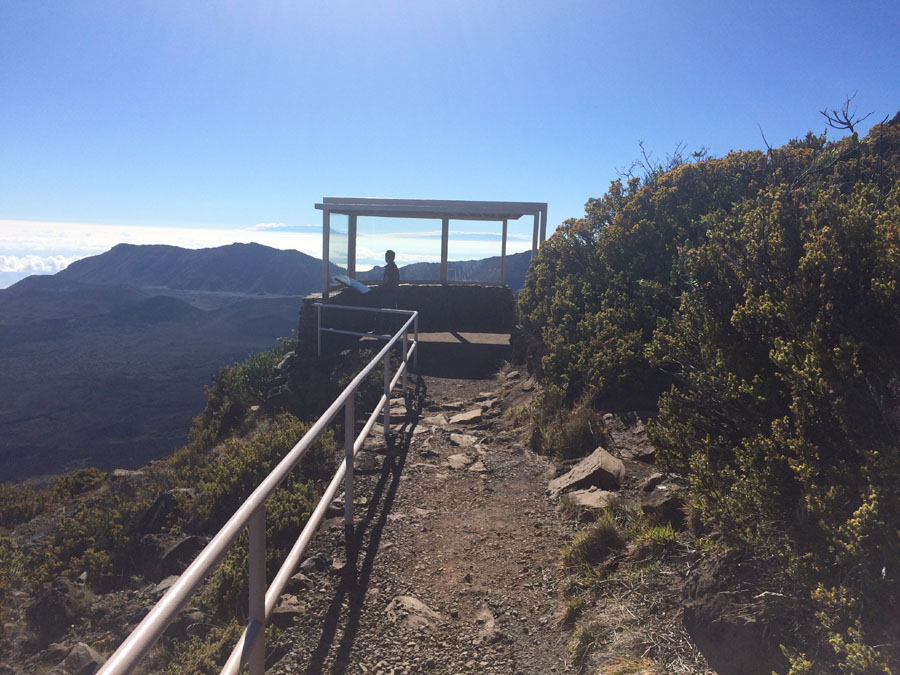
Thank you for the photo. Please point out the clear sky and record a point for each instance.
(202, 123)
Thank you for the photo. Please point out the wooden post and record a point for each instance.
(445, 236)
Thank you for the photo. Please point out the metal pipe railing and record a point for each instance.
(250, 649)
(320, 306)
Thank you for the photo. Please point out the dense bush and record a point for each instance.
(759, 295)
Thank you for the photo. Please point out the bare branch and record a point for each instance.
(843, 118)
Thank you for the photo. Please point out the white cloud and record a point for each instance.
(34, 264)
(83, 239)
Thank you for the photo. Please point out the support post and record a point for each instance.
(405, 363)
(351, 246)
(387, 397)
(349, 437)
(534, 235)
(256, 658)
(445, 236)
(416, 338)
(503, 254)
(326, 232)
(543, 225)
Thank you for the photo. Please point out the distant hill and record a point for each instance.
(104, 363)
(485, 270)
(241, 268)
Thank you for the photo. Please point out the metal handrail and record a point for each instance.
(250, 649)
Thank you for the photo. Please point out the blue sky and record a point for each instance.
(202, 123)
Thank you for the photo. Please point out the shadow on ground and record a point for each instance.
(361, 547)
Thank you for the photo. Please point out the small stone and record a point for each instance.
(478, 467)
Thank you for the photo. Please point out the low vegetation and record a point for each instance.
(754, 301)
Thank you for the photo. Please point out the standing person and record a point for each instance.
(388, 288)
(386, 295)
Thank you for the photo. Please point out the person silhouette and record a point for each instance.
(387, 290)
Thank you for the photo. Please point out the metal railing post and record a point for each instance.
(387, 396)
(349, 438)
(256, 658)
(405, 363)
(416, 338)
(318, 330)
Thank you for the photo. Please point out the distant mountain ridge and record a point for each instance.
(237, 268)
(485, 270)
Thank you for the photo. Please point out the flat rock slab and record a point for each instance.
(463, 440)
(593, 498)
(598, 469)
(436, 420)
(459, 461)
(413, 613)
(473, 416)
(289, 607)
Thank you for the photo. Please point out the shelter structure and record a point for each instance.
(443, 210)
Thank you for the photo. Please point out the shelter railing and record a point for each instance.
(322, 329)
(250, 648)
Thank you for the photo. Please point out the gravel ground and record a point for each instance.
(452, 564)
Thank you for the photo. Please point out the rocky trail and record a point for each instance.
(453, 564)
(455, 561)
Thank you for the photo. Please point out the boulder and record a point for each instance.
(55, 608)
(181, 553)
(298, 583)
(598, 469)
(82, 660)
(629, 437)
(734, 625)
(163, 511)
(413, 613)
(664, 504)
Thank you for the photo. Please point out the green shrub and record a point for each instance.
(759, 294)
(77, 483)
(204, 655)
(20, 503)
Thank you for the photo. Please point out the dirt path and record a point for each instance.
(455, 518)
